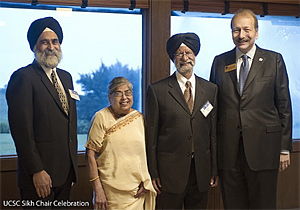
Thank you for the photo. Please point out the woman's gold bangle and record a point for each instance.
(97, 177)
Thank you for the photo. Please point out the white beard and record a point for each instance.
(47, 58)
(185, 69)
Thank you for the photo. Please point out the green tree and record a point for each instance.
(4, 127)
(94, 85)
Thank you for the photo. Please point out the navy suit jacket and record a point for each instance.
(45, 136)
(262, 115)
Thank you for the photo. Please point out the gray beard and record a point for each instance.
(185, 69)
(49, 61)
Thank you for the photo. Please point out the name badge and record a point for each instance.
(74, 95)
(230, 67)
(206, 109)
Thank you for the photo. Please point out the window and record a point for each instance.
(102, 42)
(281, 34)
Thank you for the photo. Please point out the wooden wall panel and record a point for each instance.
(288, 196)
(199, 6)
(215, 198)
(82, 190)
(156, 32)
(8, 186)
(275, 7)
(91, 3)
(218, 6)
(156, 65)
(284, 10)
(269, 1)
(288, 192)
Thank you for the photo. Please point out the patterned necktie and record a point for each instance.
(244, 70)
(60, 93)
(188, 96)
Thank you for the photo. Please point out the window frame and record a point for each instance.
(156, 17)
(95, 10)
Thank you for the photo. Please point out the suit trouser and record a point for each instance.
(52, 201)
(191, 198)
(243, 188)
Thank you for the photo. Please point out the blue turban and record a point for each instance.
(191, 40)
(38, 26)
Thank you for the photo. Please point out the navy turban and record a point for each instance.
(191, 40)
(38, 26)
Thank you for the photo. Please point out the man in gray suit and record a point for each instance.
(254, 118)
(181, 130)
(42, 118)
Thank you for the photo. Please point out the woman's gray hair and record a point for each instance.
(118, 81)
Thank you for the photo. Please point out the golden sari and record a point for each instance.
(122, 160)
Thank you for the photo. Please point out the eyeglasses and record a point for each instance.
(121, 94)
(188, 54)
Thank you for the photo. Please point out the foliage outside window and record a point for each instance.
(97, 46)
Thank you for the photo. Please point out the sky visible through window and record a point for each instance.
(280, 34)
(90, 39)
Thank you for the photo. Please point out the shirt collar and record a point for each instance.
(48, 71)
(250, 53)
(182, 80)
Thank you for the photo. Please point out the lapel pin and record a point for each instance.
(260, 59)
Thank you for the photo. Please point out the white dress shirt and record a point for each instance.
(182, 80)
(48, 72)
(239, 59)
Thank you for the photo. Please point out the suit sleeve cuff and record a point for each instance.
(284, 152)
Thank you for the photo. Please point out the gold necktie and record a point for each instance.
(189, 96)
(60, 93)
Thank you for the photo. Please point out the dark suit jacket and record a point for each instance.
(262, 114)
(45, 137)
(170, 130)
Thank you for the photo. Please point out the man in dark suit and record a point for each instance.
(254, 118)
(42, 119)
(181, 130)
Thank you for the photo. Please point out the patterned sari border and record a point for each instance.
(123, 122)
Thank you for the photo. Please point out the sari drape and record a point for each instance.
(122, 160)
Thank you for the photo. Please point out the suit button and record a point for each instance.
(188, 154)
(190, 137)
(70, 140)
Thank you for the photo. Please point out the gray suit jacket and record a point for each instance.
(262, 115)
(170, 130)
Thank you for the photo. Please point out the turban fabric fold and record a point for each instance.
(191, 40)
(38, 26)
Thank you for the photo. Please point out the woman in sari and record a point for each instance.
(116, 156)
